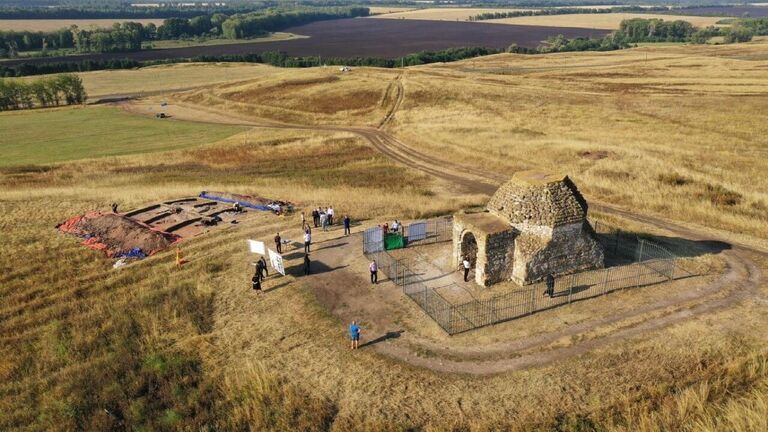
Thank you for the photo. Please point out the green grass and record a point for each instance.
(183, 43)
(57, 135)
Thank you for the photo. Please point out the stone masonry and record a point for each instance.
(535, 224)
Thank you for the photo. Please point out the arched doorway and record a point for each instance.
(469, 248)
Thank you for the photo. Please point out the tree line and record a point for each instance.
(129, 36)
(66, 89)
(280, 59)
(124, 12)
(565, 11)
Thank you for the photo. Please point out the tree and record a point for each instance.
(738, 34)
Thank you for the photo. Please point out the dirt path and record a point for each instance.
(741, 280)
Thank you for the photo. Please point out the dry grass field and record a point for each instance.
(58, 24)
(181, 43)
(377, 10)
(315, 96)
(162, 78)
(442, 14)
(608, 21)
(677, 133)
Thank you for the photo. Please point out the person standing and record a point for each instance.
(306, 264)
(279, 243)
(330, 215)
(347, 224)
(307, 241)
(256, 283)
(114, 207)
(374, 268)
(263, 266)
(354, 333)
(324, 221)
(316, 216)
(467, 265)
(550, 285)
(303, 220)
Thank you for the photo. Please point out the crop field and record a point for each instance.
(58, 24)
(608, 21)
(364, 38)
(442, 14)
(387, 9)
(667, 141)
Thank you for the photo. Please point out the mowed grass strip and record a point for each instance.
(57, 135)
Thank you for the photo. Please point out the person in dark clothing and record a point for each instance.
(278, 243)
(316, 217)
(306, 264)
(550, 285)
(264, 268)
(114, 207)
(256, 283)
(347, 224)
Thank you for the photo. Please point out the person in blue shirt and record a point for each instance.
(354, 333)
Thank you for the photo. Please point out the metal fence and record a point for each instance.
(645, 263)
(415, 234)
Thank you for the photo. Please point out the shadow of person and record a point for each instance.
(386, 336)
(315, 267)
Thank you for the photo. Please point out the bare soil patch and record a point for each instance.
(115, 234)
(593, 155)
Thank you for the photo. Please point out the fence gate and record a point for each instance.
(373, 240)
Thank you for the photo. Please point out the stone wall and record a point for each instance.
(535, 225)
(499, 256)
(550, 202)
(570, 249)
(495, 245)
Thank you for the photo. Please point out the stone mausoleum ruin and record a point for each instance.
(535, 224)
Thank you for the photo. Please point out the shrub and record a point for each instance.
(720, 196)
(674, 179)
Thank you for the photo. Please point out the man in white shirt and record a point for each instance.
(307, 241)
(467, 265)
(331, 213)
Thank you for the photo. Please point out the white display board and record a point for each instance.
(417, 231)
(373, 240)
(277, 261)
(257, 247)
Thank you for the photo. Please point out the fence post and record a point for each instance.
(605, 280)
(570, 288)
(639, 260)
(533, 300)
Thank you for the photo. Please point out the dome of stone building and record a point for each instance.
(536, 198)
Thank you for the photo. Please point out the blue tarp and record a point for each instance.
(261, 207)
(133, 253)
